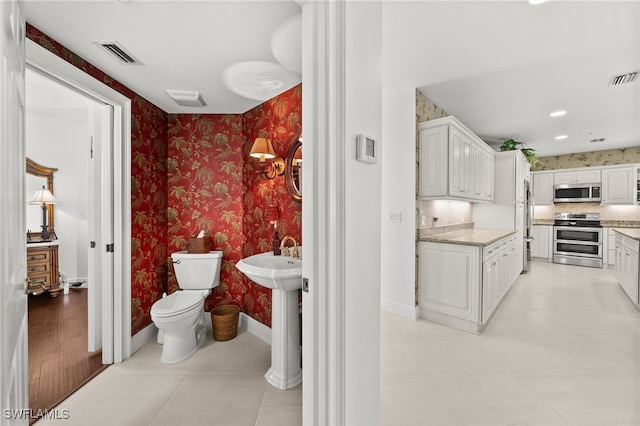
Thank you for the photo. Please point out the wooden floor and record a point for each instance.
(59, 362)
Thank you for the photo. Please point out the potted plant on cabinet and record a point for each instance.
(529, 153)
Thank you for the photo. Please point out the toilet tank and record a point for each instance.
(197, 271)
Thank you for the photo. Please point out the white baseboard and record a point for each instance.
(255, 327)
(411, 312)
(246, 322)
(142, 337)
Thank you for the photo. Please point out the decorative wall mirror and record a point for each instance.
(293, 170)
(37, 177)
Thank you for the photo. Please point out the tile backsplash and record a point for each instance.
(621, 213)
(438, 213)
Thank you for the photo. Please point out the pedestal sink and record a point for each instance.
(283, 275)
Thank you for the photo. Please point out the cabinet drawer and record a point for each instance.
(39, 276)
(38, 256)
(38, 267)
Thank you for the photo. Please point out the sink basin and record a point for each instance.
(274, 272)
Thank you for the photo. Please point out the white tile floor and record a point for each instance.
(562, 349)
(222, 384)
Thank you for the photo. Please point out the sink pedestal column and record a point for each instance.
(285, 371)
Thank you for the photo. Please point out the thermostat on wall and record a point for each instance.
(366, 149)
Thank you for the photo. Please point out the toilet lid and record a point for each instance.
(177, 303)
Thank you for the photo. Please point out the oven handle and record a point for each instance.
(579, 242)
(578, 228)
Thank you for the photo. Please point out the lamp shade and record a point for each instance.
(262, 149)
(43, 196)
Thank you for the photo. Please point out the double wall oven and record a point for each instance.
(577, 239)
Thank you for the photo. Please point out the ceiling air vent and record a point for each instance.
(186, 98)
(617, 80)
(120, 53)
(599, 140)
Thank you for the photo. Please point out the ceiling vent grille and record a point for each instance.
(599, 140)
(117, 51)
(186, 98)
(617, 80)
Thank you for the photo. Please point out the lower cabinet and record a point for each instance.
(42, 265)
(627, 263)
(462, 285)
(541, 246)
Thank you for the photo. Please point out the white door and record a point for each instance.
(100, 288)
(14, 394)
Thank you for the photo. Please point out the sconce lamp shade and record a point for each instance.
(43, 196)
(262, 149)
(297, 157)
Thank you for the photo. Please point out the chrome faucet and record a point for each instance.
(296, 254)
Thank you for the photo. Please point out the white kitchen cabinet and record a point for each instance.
(578, 176)
(541, 244)
(543, 188)
(454, 163)
(610, 238)
(461, 285)
(627, 266)
(618, 185)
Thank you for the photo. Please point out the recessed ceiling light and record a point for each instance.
(557, 113)
(536, 1)
(561, 137)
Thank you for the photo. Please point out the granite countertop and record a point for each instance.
(470, 237)
(543, 221)
(629, 232)
(620, 223)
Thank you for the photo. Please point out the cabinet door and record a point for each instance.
(459, 163)
(449, 279)
(540, 243)
(489, 288)
(489, 177)
(434, 160)
(618, 186)
(588, 176)
(522, 167)
(564, 177)
(543, 188)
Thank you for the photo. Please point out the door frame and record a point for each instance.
(116, 305)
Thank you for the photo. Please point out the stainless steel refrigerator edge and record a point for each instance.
(528, 238)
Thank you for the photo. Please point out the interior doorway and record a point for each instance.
(72, 132)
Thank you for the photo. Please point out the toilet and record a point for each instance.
(179, 317)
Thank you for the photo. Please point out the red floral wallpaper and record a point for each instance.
(279, 119)
(193, 172)
(214, 185)
(205, 165)
(148, 187)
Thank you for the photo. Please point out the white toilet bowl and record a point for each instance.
(179, 317)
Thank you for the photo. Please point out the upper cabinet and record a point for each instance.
(618, 185)
(543, 188)
(578, 176)
(454, 163)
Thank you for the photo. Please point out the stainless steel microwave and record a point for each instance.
(577, 193)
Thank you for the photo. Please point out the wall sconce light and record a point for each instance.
(43, 197)
(263, 150)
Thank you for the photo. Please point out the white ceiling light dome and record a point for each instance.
(259, 80)
(286, 44)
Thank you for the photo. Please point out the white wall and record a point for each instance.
(59, 137)
(363, 114)
(399, 196)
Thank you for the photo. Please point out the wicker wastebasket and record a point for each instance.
(224, 320)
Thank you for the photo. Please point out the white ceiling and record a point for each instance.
(182, 45)
(500, 67)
